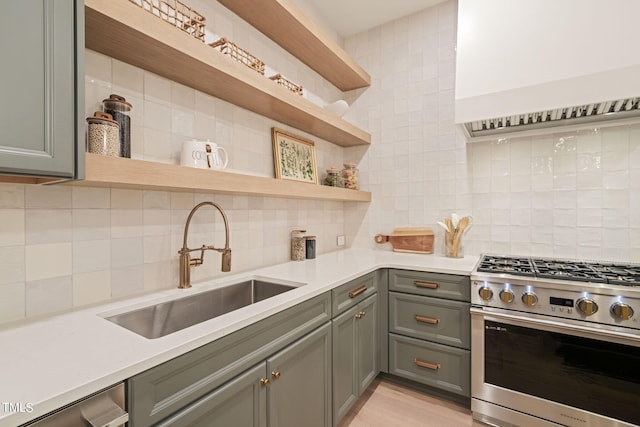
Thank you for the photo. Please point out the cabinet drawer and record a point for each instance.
(434, 319)
(440, 366)
(438, 285)
(351, 293)
(164, 389)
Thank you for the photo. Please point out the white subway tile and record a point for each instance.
(46, 261)
(91, 224)
(47, 197)
(92, 287)
(127, 252)
(12, 196)
(91, 255)
(49, 295)
(48, 226)
(12, 302)
(12, 227)
(127, 281)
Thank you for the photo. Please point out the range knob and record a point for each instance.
(622, 311)
(507, 296)
(587, 306)
(485, 293)
(529, 299)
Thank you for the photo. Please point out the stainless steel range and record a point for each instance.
(555, 342)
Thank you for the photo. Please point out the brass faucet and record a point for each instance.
(185, 258)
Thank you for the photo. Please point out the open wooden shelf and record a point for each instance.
(104, 171)
(124, 31)
(286, 24)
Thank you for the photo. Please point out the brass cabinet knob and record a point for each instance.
(275, 374)
(507, 296)
(529, 299)
(587, 306)
(622, 311)
(485, 293)
(265, 382)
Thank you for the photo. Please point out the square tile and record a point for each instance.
(12, 303)
(12, 227)
(48, 296)
(91, 255)
(48, 260)
(91, 288)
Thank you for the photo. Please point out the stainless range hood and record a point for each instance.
(619, 109)
(526, 67)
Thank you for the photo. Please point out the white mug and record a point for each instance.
(204, 155)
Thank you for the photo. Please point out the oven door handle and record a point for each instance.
(566, 326)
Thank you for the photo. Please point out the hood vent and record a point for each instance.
(597, 112)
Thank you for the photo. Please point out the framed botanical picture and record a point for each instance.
(294, 157)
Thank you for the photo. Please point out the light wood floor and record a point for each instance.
(387, 404)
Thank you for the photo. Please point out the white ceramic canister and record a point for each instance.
(204, 155)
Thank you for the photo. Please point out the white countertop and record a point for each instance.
(51, 362)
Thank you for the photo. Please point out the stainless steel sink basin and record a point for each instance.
(162, 319)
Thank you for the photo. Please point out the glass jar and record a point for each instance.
(118, 107)
(298, 245)
(350, 176)
(333, 178)
(103, 135)
(310, 243)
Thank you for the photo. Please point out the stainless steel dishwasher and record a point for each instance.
(103, 409)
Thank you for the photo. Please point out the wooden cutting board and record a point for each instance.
(414, 240)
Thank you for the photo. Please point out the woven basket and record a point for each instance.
(236, 52)
(286, 83)
(177, 14)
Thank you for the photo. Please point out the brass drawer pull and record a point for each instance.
(426, 285)
(426, 319)
(423, 364)
(361, 314)
(357, 291)
(275, 374)
(265, 382)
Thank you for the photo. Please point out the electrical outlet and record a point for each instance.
(340, 240)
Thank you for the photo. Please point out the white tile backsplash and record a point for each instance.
(548, 195)
(568, 194)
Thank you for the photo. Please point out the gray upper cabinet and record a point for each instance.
(42, 79)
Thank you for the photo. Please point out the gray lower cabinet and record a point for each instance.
(42, 80)
(291, 388)
(293, 345)
(430, 330)
(355, 354)
(299, 393)
(240, 402)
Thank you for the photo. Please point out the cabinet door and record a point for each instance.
(40, 85)
(355, 354)
(345, 369)
(240, 402)
(300, 389)
(367, 342)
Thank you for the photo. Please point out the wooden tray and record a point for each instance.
(413, 240)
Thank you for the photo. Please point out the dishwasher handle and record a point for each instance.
(112, 417)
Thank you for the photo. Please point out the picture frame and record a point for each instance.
(294, 157)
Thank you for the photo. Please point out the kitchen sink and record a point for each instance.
(167, 317)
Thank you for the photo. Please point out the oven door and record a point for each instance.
(531, 370)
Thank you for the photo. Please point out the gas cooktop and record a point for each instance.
(562, 269)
